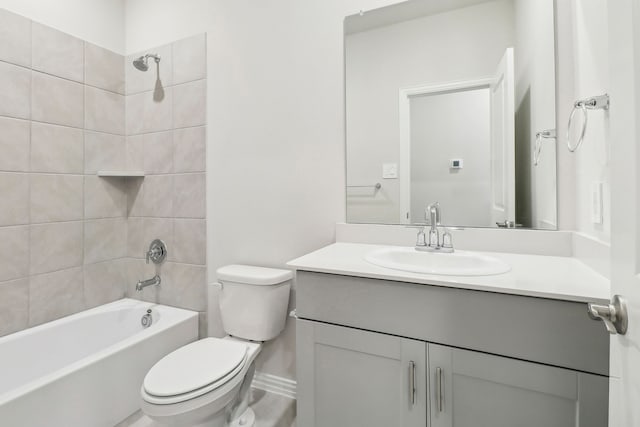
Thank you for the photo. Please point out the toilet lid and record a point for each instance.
(195, 366)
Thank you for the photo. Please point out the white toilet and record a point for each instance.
(207, 382)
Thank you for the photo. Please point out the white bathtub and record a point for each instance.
(85, 370)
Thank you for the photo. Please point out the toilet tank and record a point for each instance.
(254, 301)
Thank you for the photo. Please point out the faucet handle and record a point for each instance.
(447, 239)
(157, 252)
(421, 239)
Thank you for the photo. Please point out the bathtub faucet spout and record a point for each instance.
(149, 282)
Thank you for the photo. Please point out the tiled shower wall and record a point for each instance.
(64, 243)
(166, 115)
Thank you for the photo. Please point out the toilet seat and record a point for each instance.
(194, 370)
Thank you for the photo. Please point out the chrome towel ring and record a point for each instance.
(545, 134)
(600, 102)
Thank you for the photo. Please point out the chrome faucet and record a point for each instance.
(431, 242)
(157, 253)
(156, 280)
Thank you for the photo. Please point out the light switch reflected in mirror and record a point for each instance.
(449, 97)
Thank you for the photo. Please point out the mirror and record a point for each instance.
(452, 102)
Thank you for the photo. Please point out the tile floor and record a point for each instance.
(271, 410)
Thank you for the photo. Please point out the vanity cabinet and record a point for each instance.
(472, 389)
(376, 352)
(349, 377)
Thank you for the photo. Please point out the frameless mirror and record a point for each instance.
(452, 102)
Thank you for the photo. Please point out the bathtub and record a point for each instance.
(85, 370)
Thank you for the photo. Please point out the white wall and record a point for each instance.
(275, 113)
(100, 22)
(535, 111)
(410, 53)
(443, 127)
(592, 78)
(275, 154)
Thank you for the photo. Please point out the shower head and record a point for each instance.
(142, 62)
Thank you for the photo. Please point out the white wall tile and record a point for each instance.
(189, 196)
(104, 282)
(183, 286)
(57, 53)
(55, 295)
(158, 200)
(189, 241)
(189, 151)
(14, 252)
(14, 305)
(158, 152)
(105, 239)
(189, 104)
(104, 197)
(55, 246)
(104, 151)
(189, 59)
(15, 38)
(55, 198)
(56, 149)
(14, 145)
(104, 111)
(146, 114)
(135, 197)
(14, 191)
(103, 68)
(57, 101)
(135, 152)
(15, 87)
(135, 238)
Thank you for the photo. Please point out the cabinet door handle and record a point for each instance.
(439, 391)
(412, 382)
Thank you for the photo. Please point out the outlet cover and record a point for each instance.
(390, 170)
(596, 203)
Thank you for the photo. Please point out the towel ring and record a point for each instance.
(600, 102)
(545, 134)
(577, 106)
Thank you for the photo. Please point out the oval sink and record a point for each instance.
(459, 263)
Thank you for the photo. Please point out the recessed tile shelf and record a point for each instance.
(122, 174)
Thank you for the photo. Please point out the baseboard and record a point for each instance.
(274, 384)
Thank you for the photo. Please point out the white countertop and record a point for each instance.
(555, 277)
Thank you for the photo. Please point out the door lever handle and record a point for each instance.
(614, 315)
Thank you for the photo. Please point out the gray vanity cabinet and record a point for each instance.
(472, 389)
(354, 378)
(475, 359)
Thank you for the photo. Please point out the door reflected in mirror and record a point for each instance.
(443, 104)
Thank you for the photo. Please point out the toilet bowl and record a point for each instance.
(207, 382)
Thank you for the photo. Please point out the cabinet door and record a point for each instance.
(353, 378)
(471, 389)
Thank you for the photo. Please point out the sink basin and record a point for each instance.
(459, 263)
